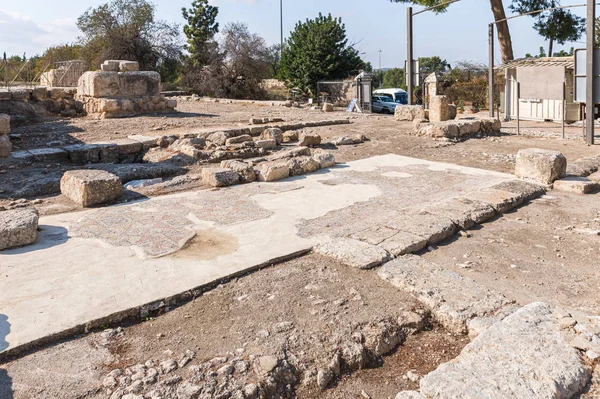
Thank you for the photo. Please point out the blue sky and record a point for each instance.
(460, 34)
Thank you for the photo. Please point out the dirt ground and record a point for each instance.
(319, 303)
(544, 251)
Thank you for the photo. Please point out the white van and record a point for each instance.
(397, 95)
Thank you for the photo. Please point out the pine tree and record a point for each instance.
(200, 30)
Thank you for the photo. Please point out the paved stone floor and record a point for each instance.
(88, 265)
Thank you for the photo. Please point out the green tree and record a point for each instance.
(395, 78)
(558, 25)
(499, 15)
(200, 29)
(429, 65)
(127, 29)
(318, 50)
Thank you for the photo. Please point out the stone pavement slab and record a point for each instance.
(523, 356)
(96, 267)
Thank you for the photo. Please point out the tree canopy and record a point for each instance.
(200, 29)
(127, 29)
(559, 25)
(318, 49)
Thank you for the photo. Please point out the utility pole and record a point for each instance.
(380, 59)
(409, 55)
(590, 96)
(281, 25)
(491, 71)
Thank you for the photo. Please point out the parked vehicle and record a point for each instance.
(383, 104)
(397, 95)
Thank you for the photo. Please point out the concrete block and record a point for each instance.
(18, 227)
(90, 187)
(220, 177)
(540, 165)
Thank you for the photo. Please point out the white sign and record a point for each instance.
(579, 90)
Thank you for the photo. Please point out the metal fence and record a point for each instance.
(64, 74)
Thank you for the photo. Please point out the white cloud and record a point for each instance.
(19, 34)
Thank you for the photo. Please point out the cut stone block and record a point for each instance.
(523, 356)
(374, 235)
(540, 165)
(327, 107)
(109, 152)
(403, 243)
(577, 185)
(302, 165)
(110, 66)
(83, 153)
(129, 66)
(409, 112)
(354, 253)
(325, 159)
(49, 154)
(107, 84)
(438, 109)
(272, 171)
(245, 170)
(583, 167)
(147, 141)
(238, 140)
(23, 155)
(528, 191)
(171, 103)
(290, 136)
(4, 124)
(462, 212)
(501, 200)
(452, 298)
(433, 228)
(128, 146)
(18, 227)
(5, 146)
(595, 177)
(220, 177)
(90, 187)
(309, 140)
(272, 134)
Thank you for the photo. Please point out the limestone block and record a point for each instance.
(523, 356)
(409, 112)
(403, 243)
(39, 93)
(462, 212)
(594, 177)
(4, 124)
(577, 185)
(433, 228)
(302, 165)
(583, 167)
(129, 66)
(309, 139)
(220, 177)
(137, 84)
(354, 253)
(325, 159)
(272, 133)
(245, 170)
(172, 104)
(49, 154)
(540, 165)
(128, 146)
(127, 105)
(290, 136)
(238, 140)
(266, 144)
(272, 171)
(438, 109)
(90, 187)
(110, 66)
(5, 146)
(99, 84)
(219, 138)
(83, 153)
(452, 111)
(526, 190)
(147, 141)
(327, 107)
(501, 200)
(18, 227)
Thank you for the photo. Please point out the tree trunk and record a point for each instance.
(550, 48)
(503, 32)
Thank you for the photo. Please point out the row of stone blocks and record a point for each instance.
(133, 148)
(458, 128)
(121, 107)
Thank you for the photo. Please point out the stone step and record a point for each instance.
(577, 185)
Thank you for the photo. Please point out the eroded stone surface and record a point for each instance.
(501, 200)
(409, 112)
(577, 185)
(462, 212)
(354, 253)
(272, 171)
(540, 165)
(452, 298)
(90, 187)
(220, 177)
(18, 227)
(523, 356)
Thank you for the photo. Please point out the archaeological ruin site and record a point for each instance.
(188, 213)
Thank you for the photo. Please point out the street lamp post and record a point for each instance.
(590, 94)
(409, 55)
